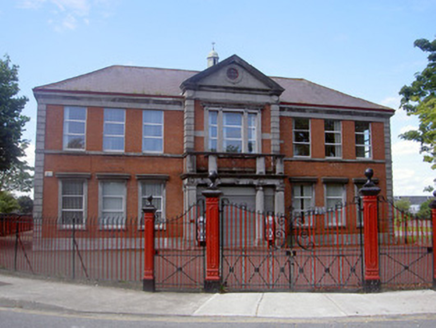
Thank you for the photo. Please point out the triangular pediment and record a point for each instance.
(234, 74)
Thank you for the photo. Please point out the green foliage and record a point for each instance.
(8, 203)
(25, 204)
(424, 210)
(12, 123)
(17, 178)
(428, 189)
(419, 99)
(403, 204)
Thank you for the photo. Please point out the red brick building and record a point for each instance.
(108, 139)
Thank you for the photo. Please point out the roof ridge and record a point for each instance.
(333, 90)
(348, 95)
(109, 67)
(158, 68)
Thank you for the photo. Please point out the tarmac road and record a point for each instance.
(13, 317)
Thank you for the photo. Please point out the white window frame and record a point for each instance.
(367, 145)
(220, 126)
(67, 134)
(306, 214)
(106, 135)
(143, 198)
(330, 214)
(144, 128)
(337, 136)
(296, 143)
(84, 202)
(121, 221)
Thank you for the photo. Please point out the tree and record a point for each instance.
(8, 203)
(419, 99)
(403, 204)
(25, 203)
(428, 189)
(424, 210)
(17, 178)
(12, 122)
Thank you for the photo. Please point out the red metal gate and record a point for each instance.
(327, 247)
(253, 250)
(180, 252)
(320, 250)
(406, 248)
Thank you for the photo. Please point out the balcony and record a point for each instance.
(234, 163)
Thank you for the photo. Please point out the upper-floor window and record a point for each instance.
(73, 202)
(301, 137)
(333, 138)
(233, 131)
(363, 139)
(74, 128)
(113, 130)
(152, 131)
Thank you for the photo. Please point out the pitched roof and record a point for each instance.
(166, 82)
(274, 87)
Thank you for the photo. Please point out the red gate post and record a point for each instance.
(149, 251)
(371, 253)
(212, 283)
(433, 216)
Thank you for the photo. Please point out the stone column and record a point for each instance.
(275, 127)
(149, 251)
(279, 200)
(189, 120)
(260, 209)
(370, 230)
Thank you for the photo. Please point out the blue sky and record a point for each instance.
(362, 48)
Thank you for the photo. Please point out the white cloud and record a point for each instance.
(30, 155)
(74, 7)
(69, 22)
(30, 4)
(392, 102)
(405, 147)
(408, 128)
(69, 14)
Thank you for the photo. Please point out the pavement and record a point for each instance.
(44, 294)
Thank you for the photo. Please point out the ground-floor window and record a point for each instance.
(303, 203)
(335, 202)
(73, 202)
(112, 203)
(156, 190)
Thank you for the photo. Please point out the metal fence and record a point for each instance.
(315, 250)
(112, 251)
(327, 248)
(406, 248)
(180, 252)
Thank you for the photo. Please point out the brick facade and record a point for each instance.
(185, 160)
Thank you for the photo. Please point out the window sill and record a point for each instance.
(71, 227)
(112, 227)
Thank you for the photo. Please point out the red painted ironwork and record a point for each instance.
(212, 279)
(406, 248)
(433, 216)
(326, 248)
(371, 238)
(149, 251)
(179, 259)
(89, 251)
